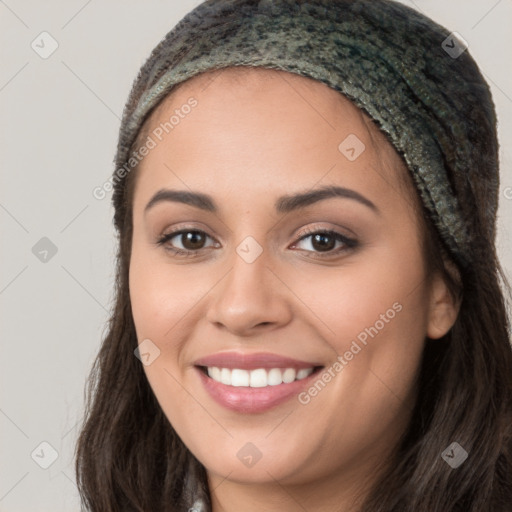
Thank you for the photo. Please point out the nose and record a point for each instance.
(250, 299)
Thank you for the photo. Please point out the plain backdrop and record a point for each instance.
(59, 127)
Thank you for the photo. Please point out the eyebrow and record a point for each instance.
(284, 204)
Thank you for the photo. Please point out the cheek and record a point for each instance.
(378, 323)
(375, 321)
(160, 294)
(164, 300)
(388, 295)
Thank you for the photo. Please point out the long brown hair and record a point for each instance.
(129, 457)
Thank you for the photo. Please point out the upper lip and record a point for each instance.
(246, 361)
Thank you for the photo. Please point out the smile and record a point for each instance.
(258, 378)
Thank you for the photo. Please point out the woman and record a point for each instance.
(308, 312)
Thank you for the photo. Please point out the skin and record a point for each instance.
(250, 140)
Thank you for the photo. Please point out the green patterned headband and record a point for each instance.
(410, 75)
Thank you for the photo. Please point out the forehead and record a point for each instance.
(217, 90)
(270, 127)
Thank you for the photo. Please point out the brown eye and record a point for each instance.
(191, 240)
(323, 242)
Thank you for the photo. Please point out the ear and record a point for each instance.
(443, 309)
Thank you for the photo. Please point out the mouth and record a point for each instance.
(259, 377)
(257, 390)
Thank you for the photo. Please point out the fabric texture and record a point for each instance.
(409, 74)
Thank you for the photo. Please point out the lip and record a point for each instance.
(247, 361)
(244, 399)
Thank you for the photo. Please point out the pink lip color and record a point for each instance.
(252, 400)
(253, 361)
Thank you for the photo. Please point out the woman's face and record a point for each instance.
(244, 175)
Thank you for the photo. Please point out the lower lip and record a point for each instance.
(252, 400)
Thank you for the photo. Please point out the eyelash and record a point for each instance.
(349, 243)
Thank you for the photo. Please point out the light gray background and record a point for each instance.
(60, 120)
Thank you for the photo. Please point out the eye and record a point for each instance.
(192, 240)
(324, 242)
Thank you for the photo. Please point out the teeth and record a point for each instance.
(289, 375)
(259, 378)
(303, 373)
(239, 377)
(274, 377)
(225, 376)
